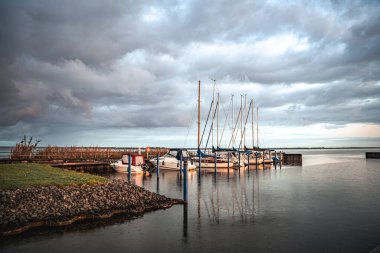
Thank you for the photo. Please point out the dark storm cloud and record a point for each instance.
(136, 63)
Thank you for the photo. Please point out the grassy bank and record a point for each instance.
(32, 174)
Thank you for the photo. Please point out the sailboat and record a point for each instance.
(203, 160)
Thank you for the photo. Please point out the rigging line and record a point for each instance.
(242, 117)
(233, 130)
(237, 128)
(190, 123)
(224, 110)
(224, 125)
(212, 124)
(246, 120)
(222, 105)
(204, 129)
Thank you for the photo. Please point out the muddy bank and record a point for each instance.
(22, 209)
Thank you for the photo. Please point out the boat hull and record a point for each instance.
(123, 168)
(169, 165)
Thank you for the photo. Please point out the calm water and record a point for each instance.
(330, 204)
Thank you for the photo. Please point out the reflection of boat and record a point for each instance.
(137, 163)
(170, 161)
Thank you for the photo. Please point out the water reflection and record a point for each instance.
(217, 196)
(327, 205)
(185, 216)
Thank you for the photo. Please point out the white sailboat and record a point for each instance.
(210, 161)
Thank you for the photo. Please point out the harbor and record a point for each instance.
(333, 192)
(189, 126)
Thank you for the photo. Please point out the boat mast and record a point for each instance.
(245, 107)
(257, 128)
(253, 130)
(217, 123)
(199, 114)
(241, 117)
(213, 109)
(232, 102)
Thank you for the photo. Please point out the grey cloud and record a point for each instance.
(95, 64)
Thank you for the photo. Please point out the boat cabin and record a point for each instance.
(135, 158)
(178, 152)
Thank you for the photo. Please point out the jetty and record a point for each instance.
(372, 155)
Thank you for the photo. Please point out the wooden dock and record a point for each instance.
(93, 167)
(292, 159)
(372, 155)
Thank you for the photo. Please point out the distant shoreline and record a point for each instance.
(143, 148)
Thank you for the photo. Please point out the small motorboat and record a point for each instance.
(137, 164)
(171, 160)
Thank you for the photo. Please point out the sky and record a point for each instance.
(125, 73)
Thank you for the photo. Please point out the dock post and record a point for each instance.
(256, 161)
(248, 161)
(199, 165)
(180, 165)
(185, 182)
(239, 162)
(129, 167)
(215, 163)
(158, 167)
(228, 162)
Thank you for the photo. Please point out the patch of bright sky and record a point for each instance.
(271, 47)
(317, 133)
(152, 14)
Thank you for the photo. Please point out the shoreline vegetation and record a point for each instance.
(35, 195)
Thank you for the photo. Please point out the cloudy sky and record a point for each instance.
(125, 73)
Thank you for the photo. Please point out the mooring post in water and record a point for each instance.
(185, 182)
(239, 161)
(199, 161)
(228, 162)
(129, 167)
(248, 161)
(158, 166)
(180, 165)
(256, 160)
(215, 163)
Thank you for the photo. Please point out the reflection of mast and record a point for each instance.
(185, 214)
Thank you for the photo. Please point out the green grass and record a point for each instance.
(32, 174)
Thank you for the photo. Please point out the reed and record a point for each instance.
(80, 153)
(25, 149)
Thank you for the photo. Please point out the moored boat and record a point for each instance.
(137, 163)
(171, 160)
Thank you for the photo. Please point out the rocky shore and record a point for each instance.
(22, 209)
